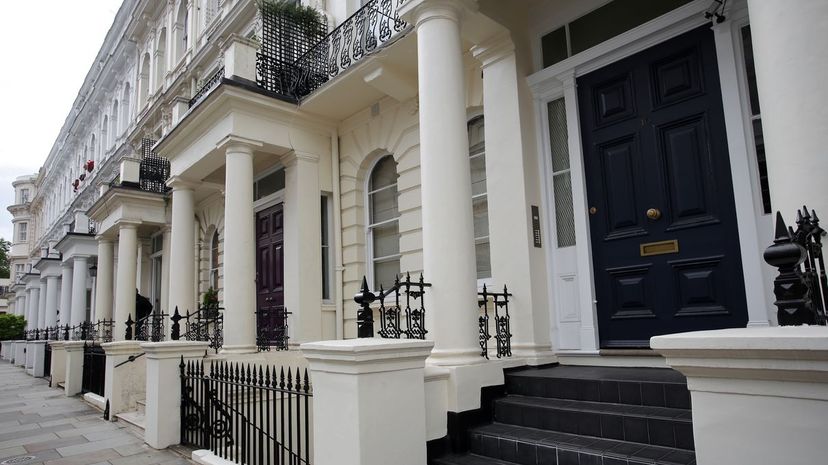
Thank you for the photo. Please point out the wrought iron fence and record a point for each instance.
(246, 413)
(801, 288)
(207, 324)
(47, 363)
(272, 328)
(94, 369)
(207, 86)
(499, 315)
(401, 309)
(150, 328)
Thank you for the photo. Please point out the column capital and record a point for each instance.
(233, 143)
(177, 183)
(494, 49)
(104, 239)
(127, 224)
(420, 11)
(291, 158)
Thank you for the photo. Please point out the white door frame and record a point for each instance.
(571, 286)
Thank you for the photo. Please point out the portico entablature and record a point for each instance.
(31, 280)
(232, 112)
(49, 267)
(120, 204)
(76, 245)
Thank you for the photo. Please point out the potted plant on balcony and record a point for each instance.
(90, 165)
(210, 303)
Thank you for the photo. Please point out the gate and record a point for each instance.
(47, 362)
(248, 414)
(94, 369)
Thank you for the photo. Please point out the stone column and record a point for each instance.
(51, 301)
(350, 379)
(182, 255)
(512, 188)
(302, 259)
(41, 305)
(80, 267)
(104, 281)
(125, 287)
(34, 298)
(791, 64)
(65, 293)
(239, 251)
(448, 232)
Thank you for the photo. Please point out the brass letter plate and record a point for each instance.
(659, 248)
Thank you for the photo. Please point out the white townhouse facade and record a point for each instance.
(614, 164)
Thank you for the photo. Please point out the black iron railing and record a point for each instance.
(246, 413)
(94, 369)
(47, 363)
(499, 315)
(100, 331)
(151, 328)
(207, 324)
(207, 86)
(280, 69)
(272, 328)
(801, 288)
(401, 309)
(154, 169)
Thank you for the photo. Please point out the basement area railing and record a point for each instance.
(94, 369)
(801, 288)
(494, 309)
(247, 414)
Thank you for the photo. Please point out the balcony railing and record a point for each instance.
(154, 169)
(281, 70)
(207, 86)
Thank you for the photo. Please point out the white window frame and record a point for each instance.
(370, 260)
(488, 281)
(22, 230)
(213, 270)
(327, 249)
(156, 257)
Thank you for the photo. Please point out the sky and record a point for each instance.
(49, 46)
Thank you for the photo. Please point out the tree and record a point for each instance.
(11, 327)
(4, 258)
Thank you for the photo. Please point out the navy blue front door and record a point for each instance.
(662, 217)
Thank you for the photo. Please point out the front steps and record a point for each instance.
(572, 415)
(135, 419)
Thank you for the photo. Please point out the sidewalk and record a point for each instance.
(38, 425)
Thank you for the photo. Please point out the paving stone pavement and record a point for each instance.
(40, 422)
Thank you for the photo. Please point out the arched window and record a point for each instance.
(144, 82)
(383, 241)
(104, 135)
(211, 11)
(480, 202)
(180, 31)
(113, 123)
(125, 110)
(93, 150)
(214, 260)
(160, 60)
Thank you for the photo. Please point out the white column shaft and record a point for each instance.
(448, 232)
(41, 305)
(31, 318)
(125, 286)
(182, 237)
(104, 281)
(51, 301)
(65, 306)
(80, 268)
(791, 65)
(239, 252)
(302, 254)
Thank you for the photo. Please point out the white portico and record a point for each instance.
(50, 274)
(77, 251)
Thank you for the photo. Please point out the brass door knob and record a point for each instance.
(593, 210)
(654, 214)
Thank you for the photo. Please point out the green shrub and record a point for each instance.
(11, 327)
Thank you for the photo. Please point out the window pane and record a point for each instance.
(385, 273)
(750, 70)
(269, 184)
(759, 143)
(383, 205)
(553, 46)
(480, 207)
(558, 138)
(483, 257)
(476, 135)
(478, 174)
(386, 240)
(564, 217)
(384, 174)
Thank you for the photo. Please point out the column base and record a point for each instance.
(532, 355)
(448, 358)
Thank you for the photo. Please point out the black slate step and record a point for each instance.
(469, 459)
(656, 387)
(531, 446)
(660, 426)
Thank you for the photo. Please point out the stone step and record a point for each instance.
(135, 419)
(655, 387)
(531, 446)
(469, 459)
(661, 426)
(142, 406)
